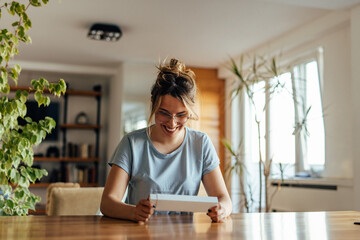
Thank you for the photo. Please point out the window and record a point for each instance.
(134, 124)
(282, 121)
(311, 139)
(134, 116)
(291, 120)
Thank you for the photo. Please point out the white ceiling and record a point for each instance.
(201, 33)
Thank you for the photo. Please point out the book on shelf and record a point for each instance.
(83, 150)
(80, 174)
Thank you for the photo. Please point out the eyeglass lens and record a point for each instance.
(179, 118)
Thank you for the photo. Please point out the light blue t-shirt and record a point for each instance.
(150, 171)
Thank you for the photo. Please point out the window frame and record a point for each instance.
(243, 116)
(300, 164)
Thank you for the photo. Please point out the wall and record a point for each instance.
(355, 87)
(115, 114)
(334, 33)
(138, 80)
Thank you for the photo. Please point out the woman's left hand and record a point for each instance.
(217, 213)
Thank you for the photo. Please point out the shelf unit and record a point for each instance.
(45, 185)
(65, 159)
(80, 126)
(65, 126)
(41, 211)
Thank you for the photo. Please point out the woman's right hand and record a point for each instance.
(143, 211)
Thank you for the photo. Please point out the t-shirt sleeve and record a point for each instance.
(122, 156)
(210, 157)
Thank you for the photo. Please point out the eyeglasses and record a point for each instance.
(179, 118)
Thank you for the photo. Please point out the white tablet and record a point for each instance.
(182, 203)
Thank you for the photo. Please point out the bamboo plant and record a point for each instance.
(16, 141)
(238, 167)
(265, 70)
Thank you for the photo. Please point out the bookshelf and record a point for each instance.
(71, 153)
(86, 165)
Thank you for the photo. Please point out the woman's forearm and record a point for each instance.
(115, 188)
(116, 209)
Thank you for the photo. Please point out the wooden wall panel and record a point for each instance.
(211, 98)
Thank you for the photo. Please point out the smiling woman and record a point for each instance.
(166, 157)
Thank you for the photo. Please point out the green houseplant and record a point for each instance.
(16, 153)
(265, 70)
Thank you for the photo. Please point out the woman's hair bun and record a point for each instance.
(177, 68)
(176, 65)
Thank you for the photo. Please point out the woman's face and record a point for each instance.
(171, 116)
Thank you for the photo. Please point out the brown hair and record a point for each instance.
(175, 80)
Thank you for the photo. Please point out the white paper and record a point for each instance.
(182, 203)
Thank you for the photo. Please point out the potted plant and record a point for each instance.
(265, 70)
(16, 142)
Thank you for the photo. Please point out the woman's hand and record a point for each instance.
(217, 213)
(143, 211)
(215, 186)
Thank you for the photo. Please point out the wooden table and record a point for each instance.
(298, 226)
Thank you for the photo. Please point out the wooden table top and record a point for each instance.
(297, 226)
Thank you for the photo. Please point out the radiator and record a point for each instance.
(312, 195)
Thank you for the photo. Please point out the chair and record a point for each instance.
(56, 185)
(66, 201)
